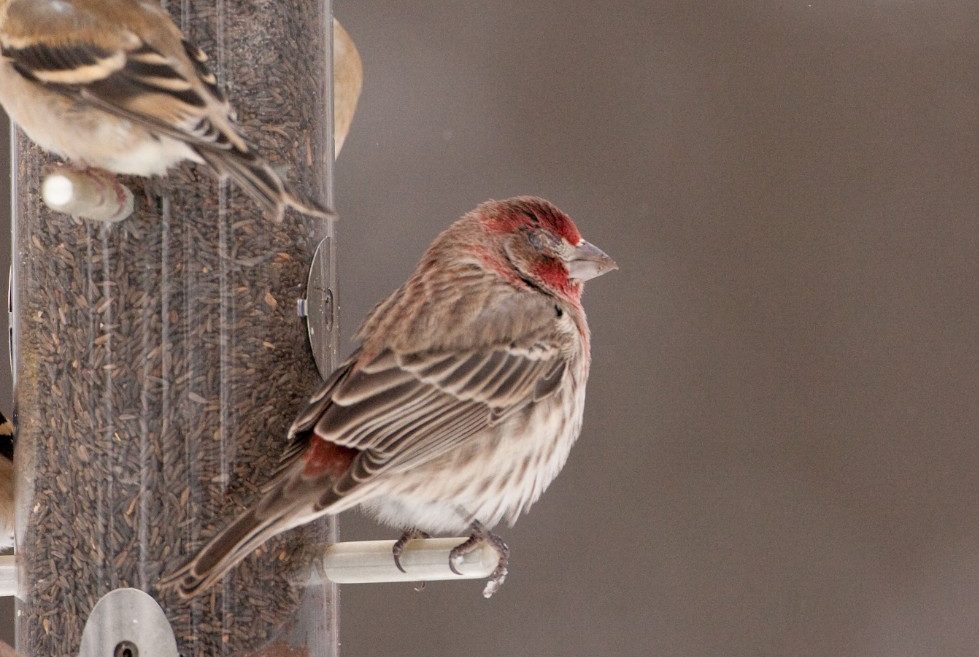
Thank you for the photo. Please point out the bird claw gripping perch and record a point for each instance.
(86, 193)
(423, 560)
(399, 546)
(481, 535)
(420, 558)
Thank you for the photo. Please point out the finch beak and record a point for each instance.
(588, 261)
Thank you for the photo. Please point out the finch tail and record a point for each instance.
(289, 502)
(222, 554)
(257, 179)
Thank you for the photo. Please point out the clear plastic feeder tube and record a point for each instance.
(159, 361)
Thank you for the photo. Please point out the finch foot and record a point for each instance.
(399, 545)
(480, 534)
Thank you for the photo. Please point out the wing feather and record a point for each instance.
(404, 409)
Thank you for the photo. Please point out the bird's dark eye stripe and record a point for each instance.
(63, 58)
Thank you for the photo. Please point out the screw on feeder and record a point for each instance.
(125, 649)
(122, 621)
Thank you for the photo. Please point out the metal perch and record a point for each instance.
(365, 562)
(424, 560)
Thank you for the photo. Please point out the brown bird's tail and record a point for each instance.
(257, 179)
(289, 502)
(219, 556)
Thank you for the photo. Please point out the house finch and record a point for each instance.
(6, 483)
(461, 403)
(113, 84)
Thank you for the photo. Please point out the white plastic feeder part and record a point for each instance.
(424, 560)
(87, 195)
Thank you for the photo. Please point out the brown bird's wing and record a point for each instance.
(404, 409)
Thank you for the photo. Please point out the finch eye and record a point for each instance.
(541, 241)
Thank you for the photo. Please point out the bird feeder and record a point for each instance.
(159, 360)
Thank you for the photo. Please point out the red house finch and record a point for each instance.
(113, 84)
(460, 405)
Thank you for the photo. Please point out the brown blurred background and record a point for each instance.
(780, 448)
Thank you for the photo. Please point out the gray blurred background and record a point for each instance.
(780, 448)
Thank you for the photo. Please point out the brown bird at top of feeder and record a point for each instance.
(113, 84)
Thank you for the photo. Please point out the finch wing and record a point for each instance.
(403, 409)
